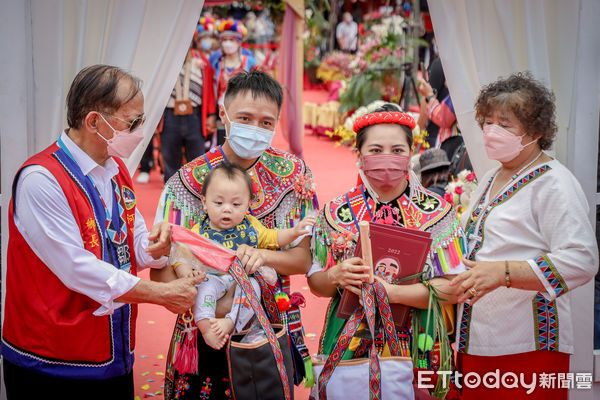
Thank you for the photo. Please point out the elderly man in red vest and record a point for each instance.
(76, 242)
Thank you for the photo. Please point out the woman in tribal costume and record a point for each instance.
(383, 148)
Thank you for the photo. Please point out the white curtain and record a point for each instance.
(44, 43)
(482, 40)
(558, 41)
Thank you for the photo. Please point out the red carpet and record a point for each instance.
(334, 170)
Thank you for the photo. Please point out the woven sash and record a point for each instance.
(236, 270)
(374, 298)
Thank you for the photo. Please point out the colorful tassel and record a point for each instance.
(309, 378)
(186, 361)
(458, 249)
(437, 263)
(283, 301)
(442, 260)
(296, 299)
(454, 259)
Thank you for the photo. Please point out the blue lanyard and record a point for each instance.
(113, 219)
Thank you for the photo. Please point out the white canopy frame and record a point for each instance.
(44, 43)
(481, 40)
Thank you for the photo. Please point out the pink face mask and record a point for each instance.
(502, 145)
(123, 143)
(385, 171)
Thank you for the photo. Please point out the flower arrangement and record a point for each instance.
(345, 134)
(420, 143)
(311, 55)
(376, 71)
(460, 190)
(336, 66)
(314, 39)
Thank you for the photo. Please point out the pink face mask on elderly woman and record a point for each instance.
(501, 144)
(385, 171)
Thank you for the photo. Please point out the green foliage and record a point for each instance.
(275, 7)
(378, 73)
(431, 322)
(362, 89)
(316, 25)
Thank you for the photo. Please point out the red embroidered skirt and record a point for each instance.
(547, 383)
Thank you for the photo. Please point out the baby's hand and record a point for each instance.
(305, 226)
(183, 270)
(196, 272)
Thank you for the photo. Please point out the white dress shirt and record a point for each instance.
(44, 218)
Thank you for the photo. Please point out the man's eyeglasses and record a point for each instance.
(139, 121)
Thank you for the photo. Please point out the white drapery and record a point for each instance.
(44, 43)
(481, 40)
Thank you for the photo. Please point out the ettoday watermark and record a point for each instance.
(497, 379)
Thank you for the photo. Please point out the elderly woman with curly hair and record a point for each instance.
(529, 244)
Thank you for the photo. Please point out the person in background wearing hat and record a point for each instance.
(190, 115)
(205, 40)
(435, 170)
(229, 61)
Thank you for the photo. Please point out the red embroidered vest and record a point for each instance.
(49, 327)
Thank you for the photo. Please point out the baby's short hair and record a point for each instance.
(231, 171)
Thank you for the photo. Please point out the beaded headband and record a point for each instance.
(384, 117)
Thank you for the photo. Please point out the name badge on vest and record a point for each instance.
(123, 256)
(183, 107)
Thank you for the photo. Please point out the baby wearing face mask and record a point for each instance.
(226, 197)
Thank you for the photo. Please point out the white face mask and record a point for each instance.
(230, 46)
(248, 141)
(206, 44)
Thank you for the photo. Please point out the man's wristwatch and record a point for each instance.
(429, 98)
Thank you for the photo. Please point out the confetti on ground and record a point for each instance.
(304, 287)
(310, 335)
(145, 373)
(159, 373)
(150, 322)
(143, 356)
(150, 380)
(160, 356)
(146, 395)
(146, 387)
(136, 398)
(158, 393)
